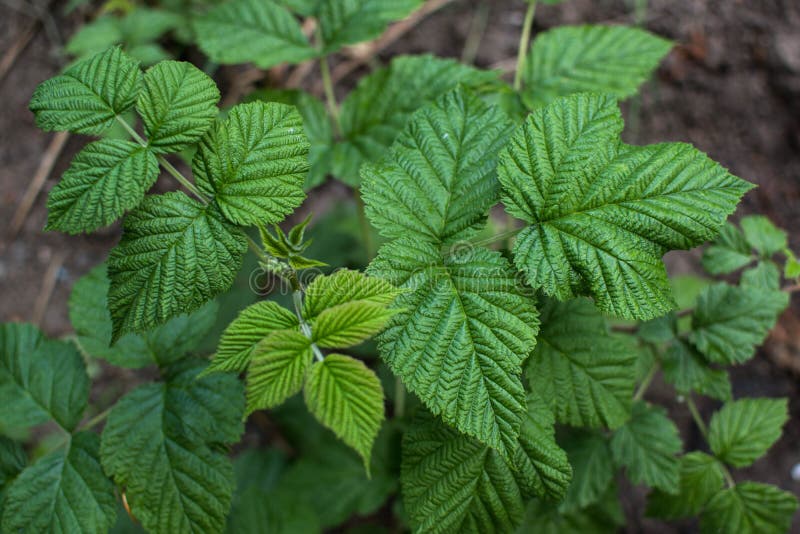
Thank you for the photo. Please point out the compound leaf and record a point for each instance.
(729, 252)
(762, 235)
(64, 491)
(343, 287)
(258, 31)
(240, 338)
(575, 352)
(750, 508)
(178, 103)
(438, 182)
(89, 95)
(729, 321)
(647, 445)
(175, 254)
(40, 379)
(464, 329)
(743, 430)
(254, 163)
(595, 59)
(603, 214)
(277, 369)
(345, 22)
(701, 478)
(347, 397)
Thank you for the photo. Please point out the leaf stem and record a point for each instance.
(97, 419)
(330, 96)
(297, 298)
(698, 420)
(524, 43)
(648, 379)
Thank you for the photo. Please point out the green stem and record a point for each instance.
(297, 298)
(524, 43)
(648, 379)
(133, 133)
(330, 96)
(97, 419)
(256, 249)
(698, 420)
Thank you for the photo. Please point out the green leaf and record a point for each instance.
(142, 25)
(743, 430)
(346, 286)
(377, 110)
(254, 163)
(345, 22)
(688, 371)
(13, 460)
(594, 59)
(464, 329)
(730, 252)
(792, 268)
(765, 276)
(64, 491)
(40, 379)
(89, 95)
(349, 324)
(729, 322)
(240, 338)
(701, 478)
(576, 353)
(94, 37)
(347, 397)
(178, 104)
(161, 441)
(603, 214)
(604, 517)
(277, 369)
(438, 181)
(592, 470)
(647, 446)
(104, 180)
(257, 31)
(750, 508)
(175, 254)
(764, 236)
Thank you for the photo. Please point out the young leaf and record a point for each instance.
(277, 369)
(178, 103)
(438, 182)
(40, 379)
(465, 328)
(175, 254)
(763, 235)
(349, 324)
(240, 338)
(729, 321)
(647, 445)
(345, 22)
(104, 180)
(343, 287)
(594, 59)
(257, 31)
(729, 252)
(688, 371)
(254, 163)
(602, 214)
(576, 353)
(743, 430)
(347, 397)
(64, 491)
(592, 470)
(89, 95)
(750, 508)
(701, 478)
(161, 443)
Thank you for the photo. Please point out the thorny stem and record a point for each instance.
(330, 96)
(524, 42)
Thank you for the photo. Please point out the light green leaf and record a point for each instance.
(161, 441)
(465, 328)
(40, 379)
(257, 31)
(764, 236)
(94, 36)
(277, 369)
(347, 397)
(89, 95)
(175, 254)
(345, 22)
(603, 214)
(701, 478)
(346, 286)
(240, 338)
(730, 252)
(592, 470)
(792, 268)
(750, 508)
(647, 446)
(347, 325)
(729, 321)
(178, 104)
(438, 181)
(104, 180)
(377, 110)
(595, 59)
(688, 371)
(743, 430)
(576, 352)
(64, 491)
(254, 163)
